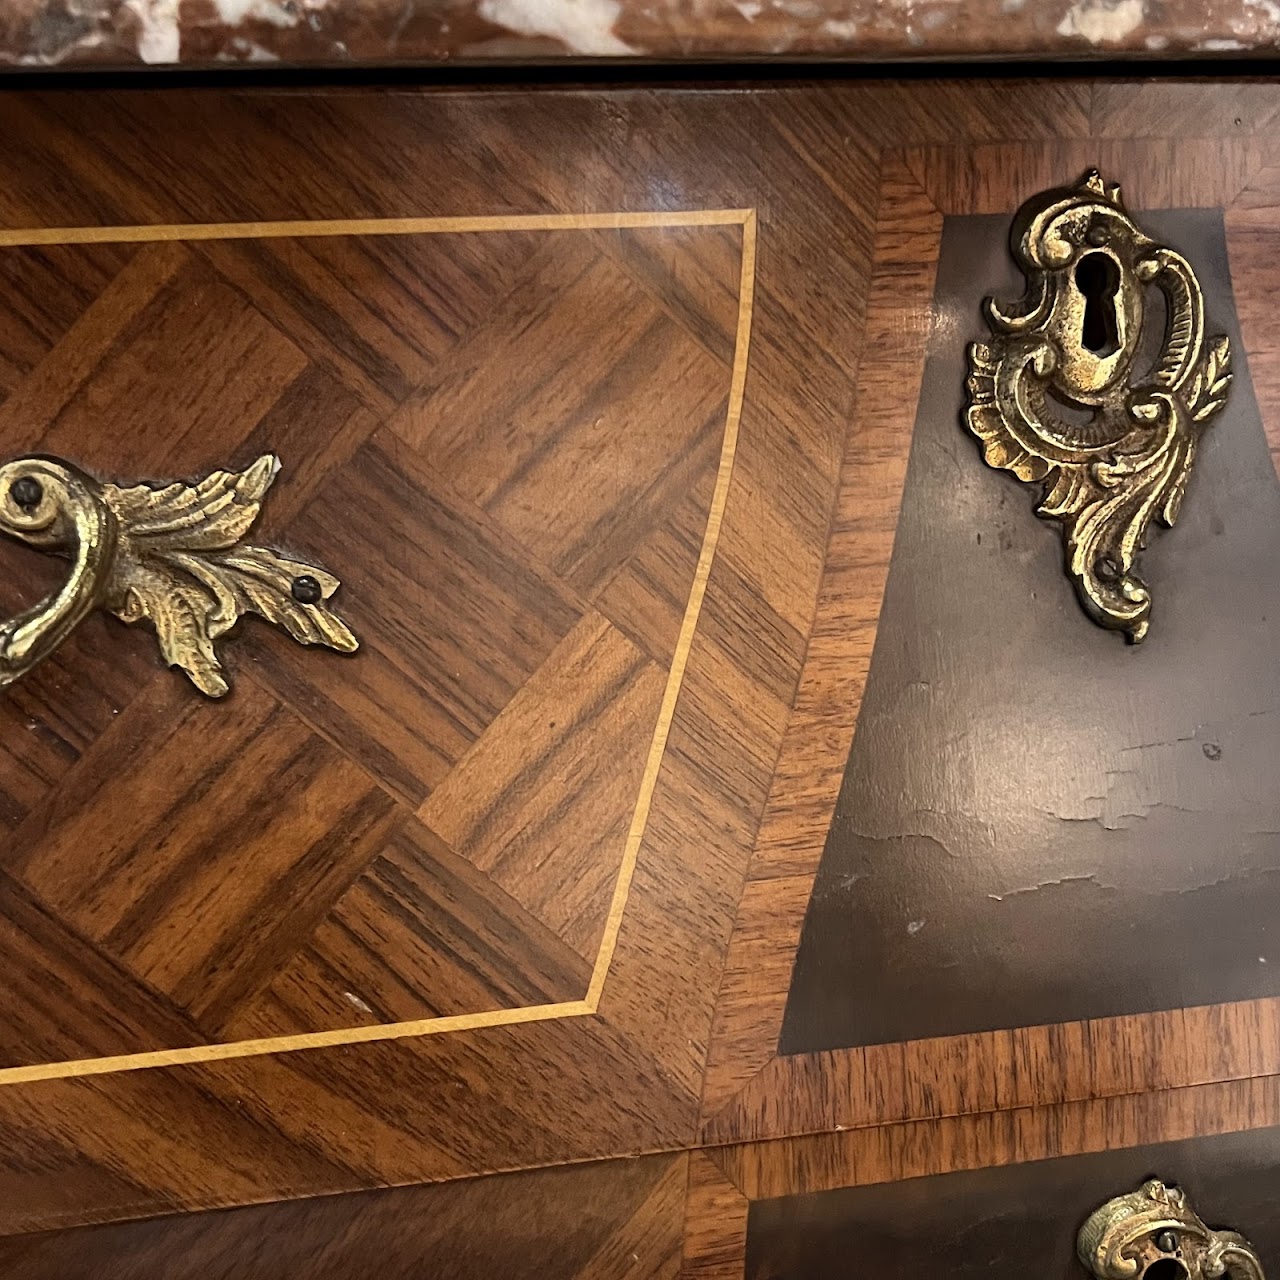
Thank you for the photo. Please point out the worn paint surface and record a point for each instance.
(1039, 823)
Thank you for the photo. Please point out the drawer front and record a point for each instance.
(1023, 1216)
(611, 443)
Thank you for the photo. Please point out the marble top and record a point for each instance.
(194, 33)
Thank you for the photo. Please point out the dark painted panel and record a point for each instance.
(1040, 823)
(1017, 1221)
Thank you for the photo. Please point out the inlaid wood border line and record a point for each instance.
(37, 236)
(589, 1004)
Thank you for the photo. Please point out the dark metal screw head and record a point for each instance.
(1106, 569)
(26, 492)
(306, 590)
(1096, 235)
(1167, 1242)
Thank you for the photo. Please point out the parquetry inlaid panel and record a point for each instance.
(505, 439)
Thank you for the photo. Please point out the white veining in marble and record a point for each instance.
(160, 28)
(1103, 21)
(327, 32)
(242, 50)
(1268, 9)
(159, 37)
(582, 26)
(234, 12)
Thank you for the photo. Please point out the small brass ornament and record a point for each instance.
(171, 556)
(1074, 343)
(1155, 1233)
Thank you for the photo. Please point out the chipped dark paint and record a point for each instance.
(1089, 829)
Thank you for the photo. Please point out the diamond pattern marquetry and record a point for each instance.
(570, 435)
(484, 434)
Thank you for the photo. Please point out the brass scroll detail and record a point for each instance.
(1154, 1233)
(1056, 396)
(171, 556)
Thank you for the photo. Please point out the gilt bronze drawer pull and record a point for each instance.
(169, 555)
(1059, 397)
(1154, 1233)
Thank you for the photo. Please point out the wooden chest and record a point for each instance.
(565, 928)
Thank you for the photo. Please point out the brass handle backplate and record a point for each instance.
(170, 555)
(1063, 393)
(1154, 1233)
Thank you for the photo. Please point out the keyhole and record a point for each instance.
(1098, 280)
(1166, 1269)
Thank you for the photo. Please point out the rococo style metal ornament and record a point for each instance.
(170, 555)
(1155, 1233)
(1074, 343)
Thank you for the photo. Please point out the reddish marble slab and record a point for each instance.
(209, 33)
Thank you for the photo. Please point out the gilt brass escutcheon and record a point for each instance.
(1062, 395)
(1154, 1233)
(171, 556)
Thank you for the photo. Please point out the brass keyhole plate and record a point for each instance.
(1154, 1234)
(1073, 342)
